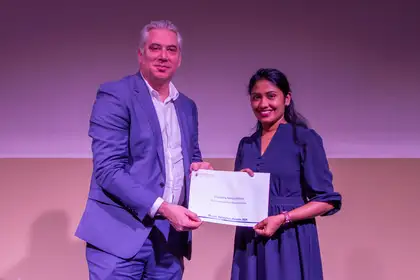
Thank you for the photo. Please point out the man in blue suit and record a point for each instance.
(145, 143)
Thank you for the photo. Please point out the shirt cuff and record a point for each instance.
(155, 207)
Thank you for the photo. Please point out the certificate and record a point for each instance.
(227, 197)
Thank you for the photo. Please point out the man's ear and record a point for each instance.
(180, 59)
(139, 55)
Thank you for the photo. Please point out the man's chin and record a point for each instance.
(162, 76)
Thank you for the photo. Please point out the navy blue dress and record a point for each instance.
(299, 173)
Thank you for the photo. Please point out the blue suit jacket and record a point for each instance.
(129, 168)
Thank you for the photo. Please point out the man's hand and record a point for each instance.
(180, 218)
(200, 165)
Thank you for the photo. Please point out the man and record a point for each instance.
(144, 142)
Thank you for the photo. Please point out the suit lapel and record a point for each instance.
(145, 101)
(183, 126)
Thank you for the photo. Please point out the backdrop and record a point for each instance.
(353, 67)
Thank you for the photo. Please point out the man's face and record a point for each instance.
(161, 55)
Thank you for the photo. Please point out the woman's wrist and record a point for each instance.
(287, 218)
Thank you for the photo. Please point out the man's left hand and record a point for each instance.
(200, 165)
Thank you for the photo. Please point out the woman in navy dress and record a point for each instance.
(285, 245)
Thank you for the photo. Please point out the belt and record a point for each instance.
(284, 200)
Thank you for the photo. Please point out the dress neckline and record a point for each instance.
(259, 136)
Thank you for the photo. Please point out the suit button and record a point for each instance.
(162, 184)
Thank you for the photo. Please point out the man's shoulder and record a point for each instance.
(122, 86)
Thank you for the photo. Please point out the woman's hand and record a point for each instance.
(249, 171)
(269, 225)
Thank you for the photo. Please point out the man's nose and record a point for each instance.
(164, 54)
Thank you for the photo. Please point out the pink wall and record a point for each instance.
(353, 68)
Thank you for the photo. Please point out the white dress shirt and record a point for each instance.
(171, 139)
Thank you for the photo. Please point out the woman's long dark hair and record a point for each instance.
(280, 81)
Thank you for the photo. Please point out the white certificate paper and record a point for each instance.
(227, 197)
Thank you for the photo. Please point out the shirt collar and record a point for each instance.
(173, 92)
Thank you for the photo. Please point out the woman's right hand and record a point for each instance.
(249, 171)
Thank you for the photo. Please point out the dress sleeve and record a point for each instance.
(238, 159)
(318, 179)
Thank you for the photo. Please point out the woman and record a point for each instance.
(284, 245)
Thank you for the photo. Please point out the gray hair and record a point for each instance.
(159, 24)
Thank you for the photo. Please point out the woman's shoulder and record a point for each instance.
(248, 140)
(308, 136)
(245, 141)
(251, 138)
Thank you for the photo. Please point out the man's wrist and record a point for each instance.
(156, 205)
(162, 210)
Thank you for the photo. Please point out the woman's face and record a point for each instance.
(268, 103)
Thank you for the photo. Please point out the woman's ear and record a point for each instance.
(288, 99)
